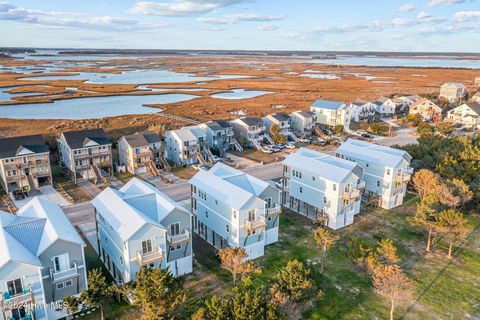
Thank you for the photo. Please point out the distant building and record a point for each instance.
(24, 161)
(453, 92)
(220, 136)
(331, 113)
(405, 101)
(385, 107)
(477, 82)
(85, 154)
(361, 109)
(188, 146)
(250, 130)
(321, 186)
(138, 226)
(303, 122)
(426, 109)
(386, 171)
(139, 152)
(466, 115)
(42, 261)
(234, 209)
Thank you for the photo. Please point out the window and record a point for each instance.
(206, 214)
(325, 200)
(147, 246)
(216, 201)
(388, 171)
(15, 287)
(251, 215)
(175, 228)
(61, 262)
(228, 228)
(313, 178)
(378, 183)
(60, 285)
(301, 190)
(234, 214)
(334, 187)
(68, 283)
(366, 164)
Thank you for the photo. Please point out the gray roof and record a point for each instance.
(217, 125)
(78, 139)
(380, 101)
(10, 147)
(360, 102)
(474, 106)
(280, 116)
(141, 139)
(305, 113)
(327, 104)
(454, 84)
(251, 121)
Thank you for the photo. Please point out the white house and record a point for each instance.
(453, 92)
(41, 261)
(187, 146)
(249, 130)
(466, 115)
(85, 154)
(234, 209)
(139, 152)
(318, 185)
(138, 226)
(385, 107)
(361, 109)
(386, 170)
(331, 113)
(284, 123)
(405, 101)
(303, 122)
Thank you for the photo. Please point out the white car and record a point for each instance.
(290, 146)
(217, 158)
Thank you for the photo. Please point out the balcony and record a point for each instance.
(93, 154)
(8, 302)
(56, 276)
(352, 195)
(273, 210)
(143, 154)
(404, 177)
(150, 257)
(252, 225)
(361, 185)
(179, 238)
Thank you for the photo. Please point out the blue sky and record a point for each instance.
(374, 25)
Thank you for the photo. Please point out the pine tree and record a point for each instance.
(98, 292)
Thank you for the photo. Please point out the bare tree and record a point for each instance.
(234, 261)
(393, 285)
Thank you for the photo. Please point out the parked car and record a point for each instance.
(274, 148)
(217, 158)
(361, 132)
(280, 146)
(290, 146)
(321, 142)
(267, 150)
(368, 135)
(305, 140)
(326, 131)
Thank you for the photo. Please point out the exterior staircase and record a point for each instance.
(293, 136)
(269, 139)
(210, 155)
(200, 158)
(237, 145)
(98, 175)
(257, 144)
(165, 164)
(31, 183)
(153, 169)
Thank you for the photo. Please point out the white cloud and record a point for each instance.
(407, 7)
(72, 19)
(435, 3)
(463, 16)
(239, 17)
(269, 27)
(423, 15)
(180, 8)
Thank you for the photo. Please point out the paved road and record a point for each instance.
(403, 137)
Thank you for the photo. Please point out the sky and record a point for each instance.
(343, 25)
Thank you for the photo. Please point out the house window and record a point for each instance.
(366, 164)
(61, 262)
(175, 228)
(334, 187)
(228, 228)
(313, 178)
(68, 283)
(60, 285)
(147, 246)
(378, 183)
(388, 171)
(325, 200)
(251, 215)
(15, 287)
(234, 214)
(206, 214)
(301, 190)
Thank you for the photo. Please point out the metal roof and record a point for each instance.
(327, 104)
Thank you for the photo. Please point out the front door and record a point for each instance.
(27, 171)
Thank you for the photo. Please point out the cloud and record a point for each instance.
(181, 8)
(268, 27)
(240, 17)
(72, 20)
(464, 16)
(407, 7)
(435, 3)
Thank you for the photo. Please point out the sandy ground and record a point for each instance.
(280, 75)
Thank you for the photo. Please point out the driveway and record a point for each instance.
(90, 189)
(404, 136)
(45, 192)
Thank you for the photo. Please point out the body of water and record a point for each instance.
(239, 94)
(135, 77)
(90, 108)
(7, 96)
(399, 62)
